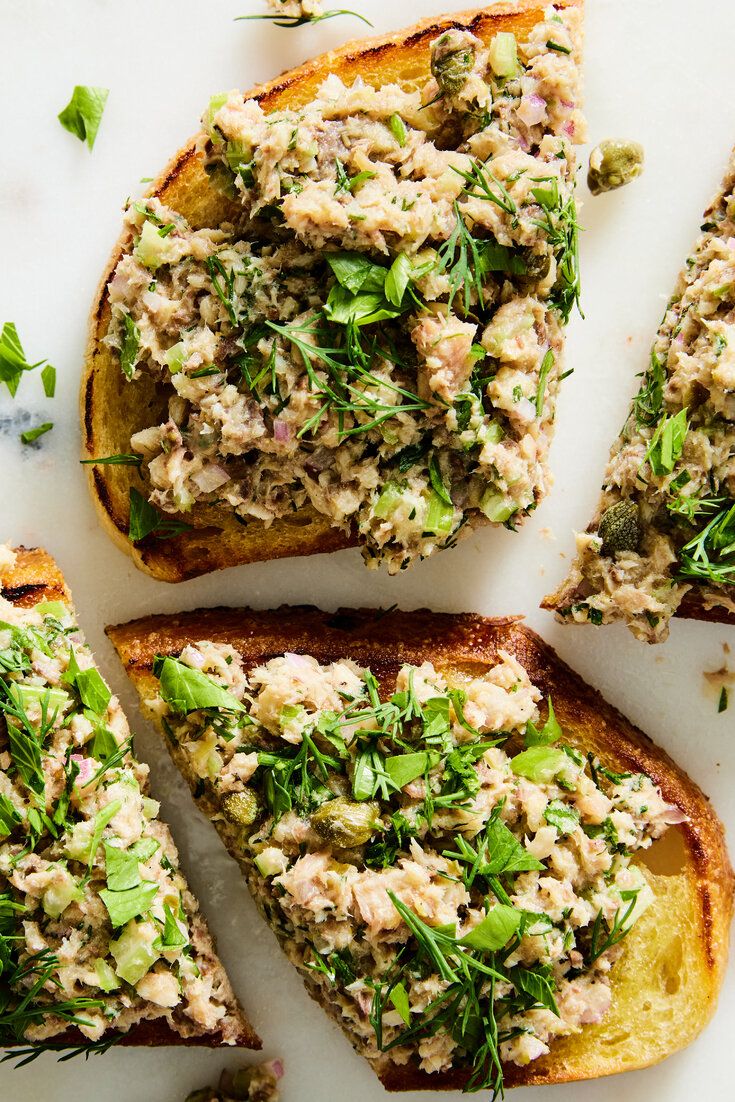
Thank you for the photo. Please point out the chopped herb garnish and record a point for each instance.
(83, 114)
(145, 520)
(31, 435)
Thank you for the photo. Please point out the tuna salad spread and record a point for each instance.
(97, 927)
(257, 1083)
(378, 333)
(665, 525)
(451, 878)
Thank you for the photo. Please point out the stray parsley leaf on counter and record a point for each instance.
(83, 113)
(31, 435)
(13, 360)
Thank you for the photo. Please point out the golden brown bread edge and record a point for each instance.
(35, 577)
(112, 410)
(384, 641)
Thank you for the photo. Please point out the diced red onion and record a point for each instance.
(86, 768)
(532, 109)
(210, 478)
(281, 431)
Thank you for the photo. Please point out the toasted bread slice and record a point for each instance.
(660, 573)
(665, 984)
(112, 411)
(33, 578)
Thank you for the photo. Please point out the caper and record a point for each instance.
(241, 808)
(345, 823)
(614, 163)
(452, 58)
(620, 528)
(537, 265)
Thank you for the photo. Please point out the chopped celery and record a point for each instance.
(388, 500)
(496, 507)
(503, 54)
(439, 515)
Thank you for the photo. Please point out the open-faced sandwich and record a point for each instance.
(100, 938)
(479, 868)
(662, 540)
(338, 318)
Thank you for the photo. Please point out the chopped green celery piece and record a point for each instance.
(503, 54)
(51, 608)
(439, 515)
(389, 498)
(151, 249)
(271, 861)
(237, 154)
(55, 699)
(60, 894)
(106, 978)
(174, 357)
(133, 951)
(214, 105)
(496, 507)
(491, 433)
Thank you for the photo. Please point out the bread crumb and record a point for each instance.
(7, 558)
(546, 534)
(720, 680)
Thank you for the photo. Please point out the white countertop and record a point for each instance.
(656, 72)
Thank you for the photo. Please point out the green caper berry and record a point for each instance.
(613, 164)
(345, 823)
(241, 808)
(537, 264)
(452, 58)
(620, 528)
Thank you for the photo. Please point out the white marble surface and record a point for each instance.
(655, 72)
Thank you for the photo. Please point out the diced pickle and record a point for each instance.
(345, 823)
(241, 808)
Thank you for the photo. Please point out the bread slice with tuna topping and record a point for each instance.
(101, 940)
(338, 317)
(479, 868)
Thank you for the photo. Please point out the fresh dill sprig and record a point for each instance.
(710, 555)
(344, 361)
(561, 227)
(302, 20)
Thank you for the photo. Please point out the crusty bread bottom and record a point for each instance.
(666, 982)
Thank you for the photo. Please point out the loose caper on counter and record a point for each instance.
(620, 528)
(345, 823)
(257, 1083)
(452, 58)
(614, 163)
(242, 808)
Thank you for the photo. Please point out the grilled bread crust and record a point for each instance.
(112, 409)
(36, 577)
(666, 982)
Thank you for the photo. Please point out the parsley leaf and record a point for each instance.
(125, 905)
(187, 690)
(13, 360)
(495, 930)
(83, 113)
(145, 520)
